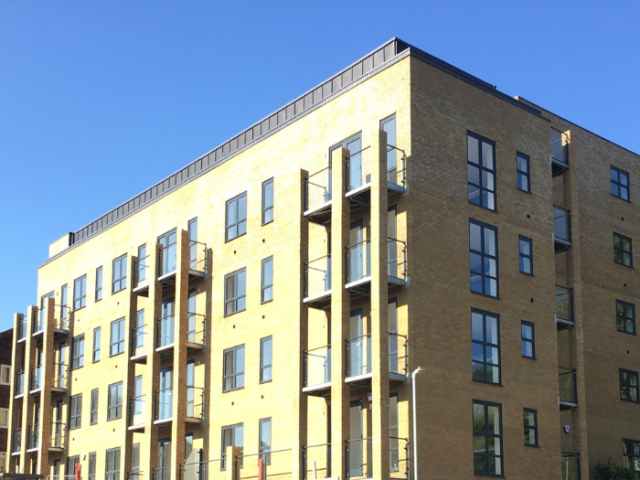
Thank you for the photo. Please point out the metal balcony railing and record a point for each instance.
(276, 464)
(197, 256)
(358, 257)
(137, 411)
(36, 378)
(140, 340)
(167, 259)
(571, 466)
(568, 386)
(358, 454)
(317, 189)
(396, 258)
(60, 376)
(58, 435)
(317, 366)
(19, 385)
(136, 475)
(195, 403)
(561, 225)
(205, 470)
(317, 277)
(165, 331)
(161, 473)
(163, 404)
(62, 317)
(196, 328)
(16, 440)
(398, 354)
(358, 169)
(559, 148)
(33, 439)
(358, 355)
(140, 272)
(396, 167)
(316, 461)
(564, 305)
(399, 462)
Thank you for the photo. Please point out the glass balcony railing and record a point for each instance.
(139, 341)
(358, 261)
(358, 169)
(564, 305)
(163, 404)
(165, 332)
(16, 440)
(60, 376)
(19, 386)
(277, 464)
(161, 473)
(196, 328)
(317, 277)
(33, 440)
(317, 366)
(197, 256)
(317, 189)
(36, 378)
(58, 435)
(359, 458)
(205, 470)
(561, 225)
(137, 411)
(398, 354)
(568, 385)
(167, 260)
(359, 355)
(316, 461)
(140, 271)
(399, 458)
(571, 466)
(195, 402)
(396, 166)
(559, 148)
(396, 258)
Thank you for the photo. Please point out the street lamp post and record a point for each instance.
(415, 423)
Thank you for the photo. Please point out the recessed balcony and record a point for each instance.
(36, 380)
(141, 276)
(163, 406)
(140, 344)
(561, 228)
(58, 437)
(33, 440)
(165, 335)
(564, 307)
(318, 196)
(22, 329)
(60, 378)
(568, 388)
(559, 153)
(316, 461)
(358, 356)
(317, 371)
(137, 416)
(16, 441)
(317, 282)
(19, 385)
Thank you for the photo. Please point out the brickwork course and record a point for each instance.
(371, 280)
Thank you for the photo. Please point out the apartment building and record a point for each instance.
(6, 342)
(259, 312)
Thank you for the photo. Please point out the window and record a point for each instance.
(483, 258)
(524, 178)
(77, 352)
(631, 452)
(112, 471)
(193, 244)
(265, 440)
(117, 337)
(96, 344)
(619, 183)
(394, 443)
(389, 125)
(63, 304)
(142, 263)
(626, 317)
(75, 412)
(487, 438)
(622, 253)
(485, 347)
(628, 385)
(119, 275)
(80, 293)
(235, 286)
(98, 284)
(115, 401)
(188, 445)
(528, 340)
(233, 368)
(5, 375)
(525, 246)
(72, 463)
(4, 418)
(266, 359)
(530, 427)
(232, 436)
(267, 201)
(92, 466)
(135, 461)
(236, 216)
(267, 280)
(94, 407)
(481, 171)
(3, 461)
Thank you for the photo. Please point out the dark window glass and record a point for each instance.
(267, 280)
(233, 368)
(625, 317)
(631, 452)
(115, 401)
(265, 440)
(266, 359)
(142, 263)
(80, 293)
(628, 385)
(481, 171)
(75, 412)
(98, 284)
(77, 352)
(94, 407)
(622, 253)
(530, 427)
(522, 167)
(92, 466)
(112, 467)
(120, 273)
(528, 340)
(236, 217)
(117, 337)
(619, 183)
(525, 246)
(235, 289)
(487, 438)
(485, 347)
(267, 201)
(96, 344)
(483, 258)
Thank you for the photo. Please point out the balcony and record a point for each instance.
(137, 418)
(165, 335)
(317, 282)
(571, 466)
(16, 441)
(564, 307)
(398, 357)
(39, 323)
(358, 354)
(19, 385)
(317, 196)
(60, 378)
(317, 371)
(316, 461)
(161, 473)
(195, 405)
(58, 437)
(358, 454)
(559, 153)
(561, 228)
(61, 324)
(205, 470)
(196, 331)
(140, 344)
(141, 276)
(36, 380)
(396, 262)
(22, 329)
(33, 440)
(163, 406)
(358, 257)
(568, 388)
(399, 458)
(197, 260)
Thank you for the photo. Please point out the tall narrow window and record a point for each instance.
(528, 340)
(628, 385)
(75, 412)
(92, 466)
(483, 258)
(112, 468)
(94, 407)
(115, 401)
(267, 280)
(394, 175)
(96, 344)
(265, 440)
(626, 317)
(117, 337)
(142, 263)
(266, 359)
(5, 375)
(485, 347)
(487, 438)
(188, 446)
(394, 443)
(120, 273)
(524, 178)
(235, 286)
(63, 306)
(267, 201)
(530, 427)
(631, 452)
(77, 352)
(98, 284)
(619, 183)
(193, 244)
(481, 171)
(135, 461)
(233, 368)
(525, 246)
(622, 252)
(236, 220)
(80, 293)
(232, 436)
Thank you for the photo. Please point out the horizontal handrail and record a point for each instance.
(316, 259)
(265, 452)
(358, 152)
(359, 243)
(366, 335)
(328, 167)
(354, 440)
(561, 208)
(317, 445)
(316, 348)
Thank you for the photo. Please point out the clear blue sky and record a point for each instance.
(101, 99)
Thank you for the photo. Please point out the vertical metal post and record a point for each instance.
(415, 423)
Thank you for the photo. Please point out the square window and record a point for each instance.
(483, 258)
(236, 218)
(487, 438)
(530, 427)
(619, 183)
(485, 347)
(628, 385)
(528, 340)
(233, 369)
(235, 290)
(626, 317)
(525, 247)
(481, 171)
(522, 168)
(622, 253)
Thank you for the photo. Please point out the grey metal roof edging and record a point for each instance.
(372, 63)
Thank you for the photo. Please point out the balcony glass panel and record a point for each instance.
(318, 189)
(568, 392)
(359, 355)
(564, 304)
(164, 404)
(317, 276)
(561, 224)
(166, 331)
(558, 147)
(137, 412)
(359, 261)
(317, 363)
(58, 434)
